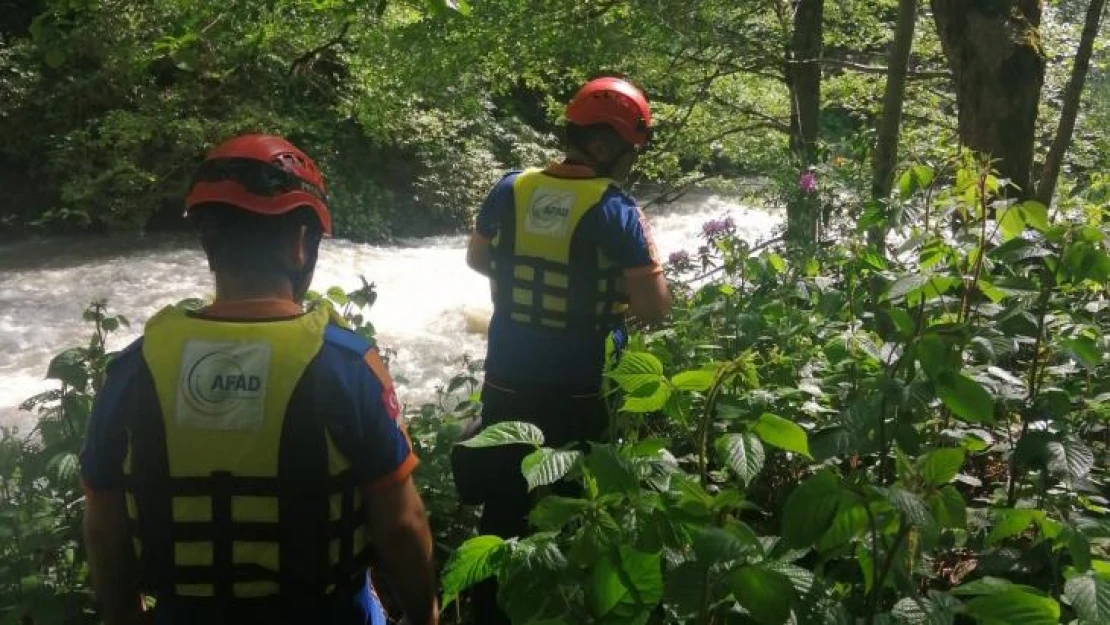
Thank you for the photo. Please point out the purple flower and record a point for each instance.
(807, 182)
(680, 260)
(715, 228)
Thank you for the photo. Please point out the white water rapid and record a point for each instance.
(430, 311)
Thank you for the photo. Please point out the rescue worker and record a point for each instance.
(568, 256)
(243, 461)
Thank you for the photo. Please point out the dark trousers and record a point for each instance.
(565, 417)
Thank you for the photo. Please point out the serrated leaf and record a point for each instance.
(1090, 596)
(1014, 606)
(949, 508)
(743, 453)
(910, 506)
(922, 611)
(766, 594)
(613, 473)
(940, 466)
(547, 466)
(624, 585)
(475, 560)
(966, 398)
(650, 399)
(506, 433)
(1011, 222)
(694, 380)
(713, 545)
(1069, 458)
(553, 512)
(810, 508)
(1011, 522)
(1084, 350)
(781, 433)
(636, 370)
(1035, 214)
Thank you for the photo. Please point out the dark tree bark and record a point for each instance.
(1073, 94)
(803, 77)
(886, 146)
(994, 51)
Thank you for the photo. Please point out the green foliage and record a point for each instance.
(43, 569)
(815, 438)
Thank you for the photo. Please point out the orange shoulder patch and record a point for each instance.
(389, 392)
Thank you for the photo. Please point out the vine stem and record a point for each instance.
(888, 561)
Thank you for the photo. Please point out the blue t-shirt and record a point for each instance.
(520, 355)
(368, 423)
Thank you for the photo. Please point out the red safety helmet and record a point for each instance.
(615, 102)
(262, 174)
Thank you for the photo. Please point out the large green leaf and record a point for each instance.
(936, 610)
(475, 560)
(553, 512)
(948, 507)
(1090, 596)
(1011, 522)
(716, 544)
(940, 466)
(547, 466)
(781, 433)
(1014, 607)
(695, 379)
(743, 453)
(810, 508)
(1084, 350)
(506, 433)
(1069, 458)
(640, 376)
(625, 585)
(614, 474)
(529, 572)
(636, 370)
(966, 398)
(69, 367)
(768, 595)
(910, 506)
(649, 399)
(1012, 222)
(1035, 214)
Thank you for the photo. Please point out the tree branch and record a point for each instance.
(320, 49)
(922, 74)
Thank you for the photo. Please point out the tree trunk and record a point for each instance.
(886, 146)
(994, 51)
(1072, 97)
(803, 77)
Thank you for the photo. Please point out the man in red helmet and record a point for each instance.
(568, 256)
(243, 461)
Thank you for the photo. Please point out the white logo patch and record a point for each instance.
(549, 212)
(223, 385)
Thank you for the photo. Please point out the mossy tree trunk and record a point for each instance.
(803, 77)
(998, 64)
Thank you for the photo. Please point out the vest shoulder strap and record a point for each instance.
(347, 340)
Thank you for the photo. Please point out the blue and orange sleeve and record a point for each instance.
(105, 446)
(625, 237)
(391, 459)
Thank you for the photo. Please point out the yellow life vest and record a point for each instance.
(234, 482)
(547, 271)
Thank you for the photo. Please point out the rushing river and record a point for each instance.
(431, 308)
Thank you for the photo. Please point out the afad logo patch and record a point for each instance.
(223, 385)
(392, 404)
